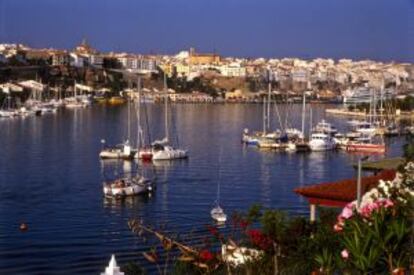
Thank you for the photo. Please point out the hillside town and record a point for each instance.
(199, 77)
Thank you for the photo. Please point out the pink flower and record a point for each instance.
(345, 254)
(367, 210)
(388, 203)
(347, 212)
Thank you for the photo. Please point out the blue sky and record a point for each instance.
(358, 29)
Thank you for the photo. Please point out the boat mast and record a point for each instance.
(310, 121)
(219, 177)
(166, 106)
(382, 104)
(268, 102)
(264, 115)
(129, 116)
(303, 114)
(139, 112)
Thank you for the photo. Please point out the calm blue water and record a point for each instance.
(50, 178)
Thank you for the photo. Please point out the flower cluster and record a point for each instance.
(259, 239)
(369, 208)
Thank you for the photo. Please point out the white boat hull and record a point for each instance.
(120, 189)
(320, 145)
(169, 153)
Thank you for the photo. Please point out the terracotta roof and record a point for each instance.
(341, 192)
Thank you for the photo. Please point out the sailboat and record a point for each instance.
(162, 149)
(120, 151)
(142, 152)
(129, 184)
(262, 138)
(367, 141)
(7, 110)
(77, 101)
(217, 213)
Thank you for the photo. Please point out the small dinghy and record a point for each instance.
(123, 187)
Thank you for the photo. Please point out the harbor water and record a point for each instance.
(51, 179)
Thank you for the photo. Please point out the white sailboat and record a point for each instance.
(128, 186)
(142, 152)
(217, 213)
(120, 151)
(264, 137)
(7, 111)
(113, 268)
(162, 149)
(77, 101)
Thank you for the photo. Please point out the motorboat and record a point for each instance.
(128, 186)
(325, 127)
(341, 140)
(365, 128)
(321, 142)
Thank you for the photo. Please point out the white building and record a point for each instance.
(96, 60)
(232, 70)
(77, 60)
(138, 63)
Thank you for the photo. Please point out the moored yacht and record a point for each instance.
(366, 144)
(325, 127)
(321, 142)
(121, 151)
(128, 186)
(163, 151)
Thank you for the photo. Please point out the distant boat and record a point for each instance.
(120, 151)
(217, 213)
(6, 110)
(257, 137)
(123, 150)
(325, 127)
(366, 144)
(116, 100)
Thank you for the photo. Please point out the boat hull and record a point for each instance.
(367, 148)
(169, 154)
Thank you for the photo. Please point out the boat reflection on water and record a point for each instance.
(132, 202)
(315, 163)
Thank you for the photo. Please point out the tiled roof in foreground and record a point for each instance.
(341, 192)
